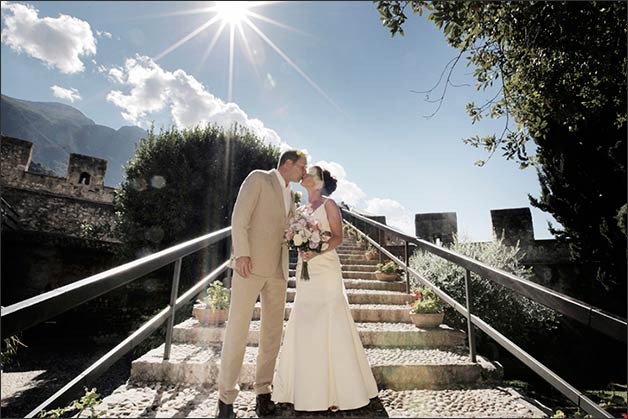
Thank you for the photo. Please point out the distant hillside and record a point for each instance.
(56, 130)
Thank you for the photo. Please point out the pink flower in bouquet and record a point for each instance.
(303, 233)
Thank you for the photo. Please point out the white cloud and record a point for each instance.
(396, 214)
(346, 191)
(153, 89)
(59, 42)
(70, 94)
(349, 192)
(103, 34)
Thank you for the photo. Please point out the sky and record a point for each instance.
(324, 77)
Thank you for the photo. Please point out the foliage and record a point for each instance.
(88, 403)
(216, 296)
(96, 231)
(371, 251)
(298, 196)
(564, 91)
(10, 346)
(517, 317)
(388, 267)
(181, 184)
(426, 301)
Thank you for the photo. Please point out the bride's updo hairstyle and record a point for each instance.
(329, 182)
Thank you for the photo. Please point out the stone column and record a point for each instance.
(436, 227)
(514, 223)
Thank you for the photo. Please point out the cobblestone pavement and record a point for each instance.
(159, 400)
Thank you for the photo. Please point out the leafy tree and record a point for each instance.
(183, 183)
(558, 70)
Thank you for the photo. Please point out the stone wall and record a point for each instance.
(437, 227)
(54, 204)
(84, 178)
(34, 262)
(46, 247)
(549, 259)
(50, 212)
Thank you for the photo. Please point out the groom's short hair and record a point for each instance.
(292, 155)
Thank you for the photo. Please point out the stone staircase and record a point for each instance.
(411, 366)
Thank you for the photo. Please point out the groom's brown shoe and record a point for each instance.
(225, 410)
(264, 406)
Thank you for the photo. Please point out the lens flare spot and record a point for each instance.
(158, 182)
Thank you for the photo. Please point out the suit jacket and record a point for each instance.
(258, 224)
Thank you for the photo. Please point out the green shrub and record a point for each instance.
(389, 267)
(216, 296)
(426, 301)
(515, 316)
(87, 403)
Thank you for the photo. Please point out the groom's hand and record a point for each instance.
(243, 266)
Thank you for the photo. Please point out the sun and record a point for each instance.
(232, 12)
(238, 16)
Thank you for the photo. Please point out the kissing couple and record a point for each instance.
(322, 364)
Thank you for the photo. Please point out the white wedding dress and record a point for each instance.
(322, 363)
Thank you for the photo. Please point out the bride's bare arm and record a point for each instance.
(335, 224)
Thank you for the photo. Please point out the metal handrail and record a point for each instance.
(32, 311)
(573, 394)
(587, 314)
(99, 367)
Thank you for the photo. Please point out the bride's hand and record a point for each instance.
(306, 256)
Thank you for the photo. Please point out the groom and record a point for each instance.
(259, 219)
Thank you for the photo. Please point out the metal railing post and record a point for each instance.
(173, 300)
(467, 286)
(406, 251)
(379, 240)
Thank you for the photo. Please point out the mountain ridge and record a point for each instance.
(57, 129)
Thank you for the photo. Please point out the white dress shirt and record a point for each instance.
(286, 191)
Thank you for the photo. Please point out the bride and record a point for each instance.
(322, 364)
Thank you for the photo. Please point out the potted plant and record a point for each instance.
(371, 253)
(388, 271)
(213, 309)
(426, 310)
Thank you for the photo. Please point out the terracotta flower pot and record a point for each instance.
(427, 320)
(207, 316)
(388, 277)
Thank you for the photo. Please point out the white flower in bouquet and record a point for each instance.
(303, 233)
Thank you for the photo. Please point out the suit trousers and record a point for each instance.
(244, 293)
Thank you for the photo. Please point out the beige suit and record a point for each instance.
(259, 220)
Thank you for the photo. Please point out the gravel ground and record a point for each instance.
(42, 368)
(159, 400)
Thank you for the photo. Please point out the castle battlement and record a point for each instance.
(84, 178)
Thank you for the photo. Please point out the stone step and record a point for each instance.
(347, 267)
(357, 296)
(396, 369)
(347, 274)
(364, 284)
(361, 312)
(349, 252)
(347, 259)
(371, 334)
(198, 401)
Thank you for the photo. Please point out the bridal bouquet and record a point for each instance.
(304, 233)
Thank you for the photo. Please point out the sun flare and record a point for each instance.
(238, 17)
(232, 12)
